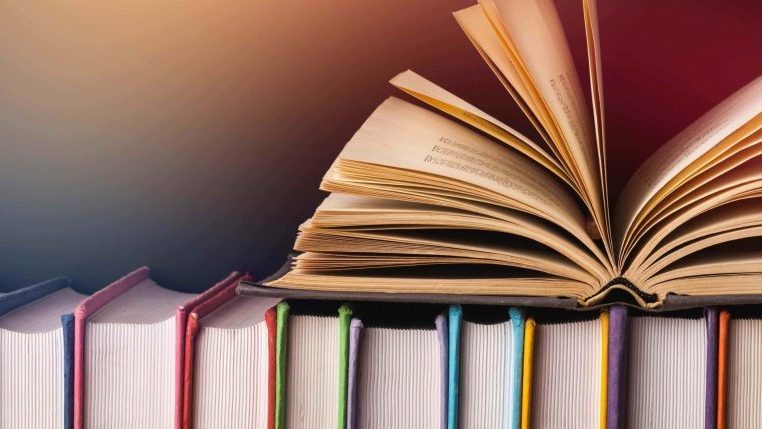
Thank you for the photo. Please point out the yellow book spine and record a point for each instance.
(604, 366)
(526, 383)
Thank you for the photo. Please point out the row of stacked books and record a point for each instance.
(138, 355)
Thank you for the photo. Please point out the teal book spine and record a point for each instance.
(518, 323)
(454, 319)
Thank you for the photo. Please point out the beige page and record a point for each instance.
(402, 136)
(359, 213)
(395, 243)
(534, 36)
(482, 35)
(590, 8)
(447, 102)
(731, 222)
(747, 151)
(681, 154)
(743, 184)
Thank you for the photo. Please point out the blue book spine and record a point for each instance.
(67, 321)
(18, 298)
(455, 317)
(514, 396)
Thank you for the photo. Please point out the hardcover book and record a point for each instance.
(226, 361)
(36, 342)
(423, 203)
(129, 346)
(398, 374)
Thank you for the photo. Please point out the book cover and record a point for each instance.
(28, 295)
(219, 295)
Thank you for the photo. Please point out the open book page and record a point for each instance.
(404, 138)
(596, 89)
(734, 221)
(680, 158)
(398, 248)
(534, 37)
(482, 35)
(747, 154)
(741, 258)
(417, 283)
(736, 186)
(447, 102)
(738, 152)
(358, 213)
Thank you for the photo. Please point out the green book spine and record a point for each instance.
(345, 317)
(281, 361)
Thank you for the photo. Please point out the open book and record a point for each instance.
(458, 202)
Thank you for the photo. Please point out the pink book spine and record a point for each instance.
(192, 327)
(83, 311)
(181, 321)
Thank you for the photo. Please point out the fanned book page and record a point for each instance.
(32, 362)
(230, 368)
(422, 203)
(131, 359)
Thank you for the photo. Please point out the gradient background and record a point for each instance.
(192, 136)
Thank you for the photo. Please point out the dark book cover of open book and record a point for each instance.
(448, 201)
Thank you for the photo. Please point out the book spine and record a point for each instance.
(604, 367)
(617, 368)
(190, 346)
(83, 311)
(518, 323)
(271, 320)
(722, 369)
(355, 336)
(181, 320)
(67, 323)
(526, 383)
(345, 317)
(281, 363)
(710, 416)
(21, 297)
(454, 322)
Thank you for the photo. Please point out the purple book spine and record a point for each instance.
(712, 326)
(355, 333)
(617, 369)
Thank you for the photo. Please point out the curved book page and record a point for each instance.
(687, 154)
(403, 148)
(437, 97)
(345, 212)
(550, 76)
(479, 31)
